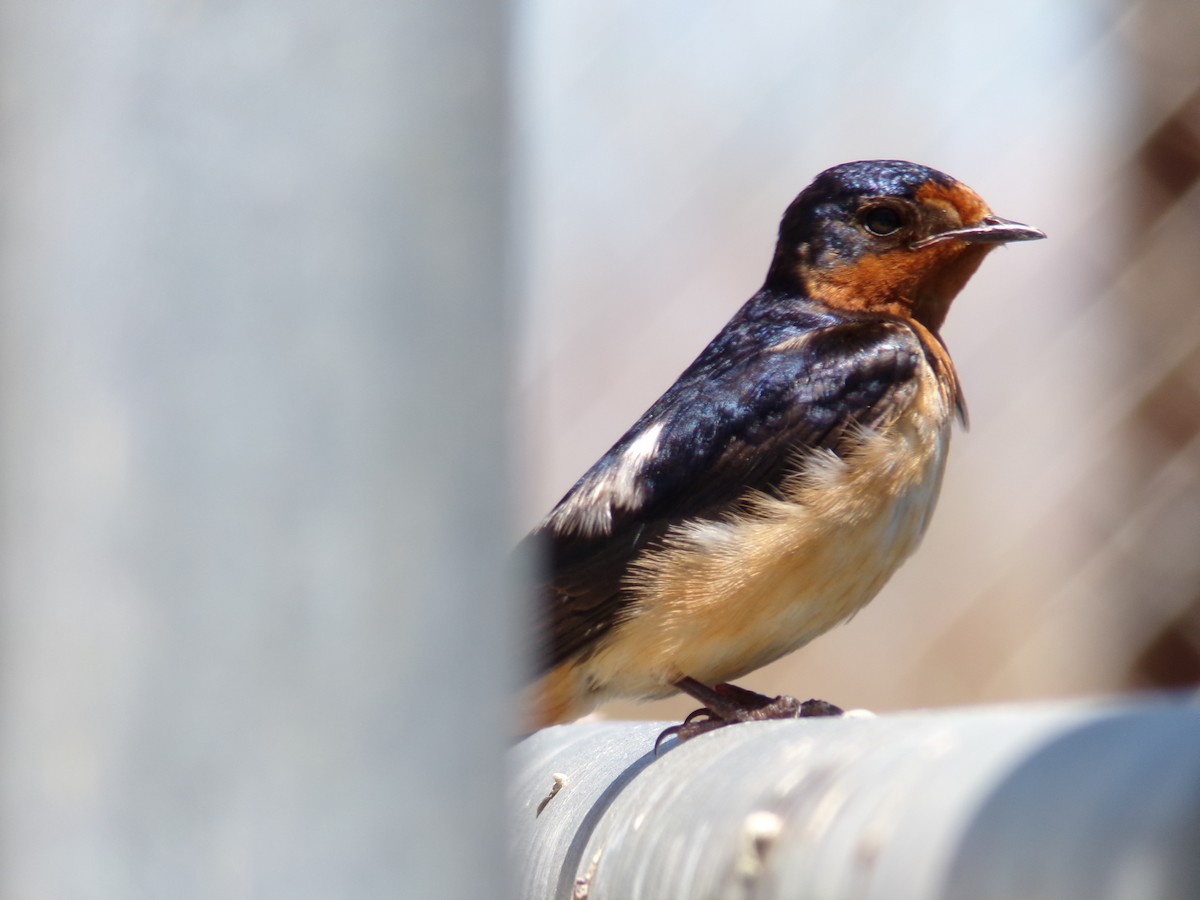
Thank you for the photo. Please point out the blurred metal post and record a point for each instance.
(1056, 802)
(251, 470)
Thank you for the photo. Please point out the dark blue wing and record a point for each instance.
(738, 420)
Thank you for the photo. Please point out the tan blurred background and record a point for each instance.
(658, 145)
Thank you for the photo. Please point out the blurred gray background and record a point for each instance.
(658, 146)
(255, 634)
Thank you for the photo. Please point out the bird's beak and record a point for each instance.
(990, 230)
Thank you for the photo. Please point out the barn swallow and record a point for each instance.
(775, 487)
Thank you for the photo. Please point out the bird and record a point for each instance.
(775, 487)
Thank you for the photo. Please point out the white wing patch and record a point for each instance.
(643, 447)
(588, 509)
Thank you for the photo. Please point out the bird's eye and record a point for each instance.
(882, 220)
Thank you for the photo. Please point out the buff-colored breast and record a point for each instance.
(724, 598)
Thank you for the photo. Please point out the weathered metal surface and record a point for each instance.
(1045, 801)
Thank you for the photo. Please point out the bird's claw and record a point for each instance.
(740, 705)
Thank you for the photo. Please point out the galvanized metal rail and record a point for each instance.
(1055, 801)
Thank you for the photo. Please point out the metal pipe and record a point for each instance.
(1056, 801)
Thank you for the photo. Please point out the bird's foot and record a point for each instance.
(727, 704)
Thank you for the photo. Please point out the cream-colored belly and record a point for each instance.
(724, 598)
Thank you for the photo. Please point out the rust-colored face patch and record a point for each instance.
(903, 281)
(872, 283)
(900, 282)
(956, 201)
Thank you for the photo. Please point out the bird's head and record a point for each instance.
(887, 236)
